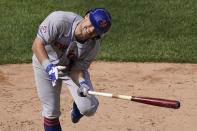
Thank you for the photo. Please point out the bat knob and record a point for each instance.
(177, 105)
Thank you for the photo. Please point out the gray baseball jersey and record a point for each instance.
(57, 33)
(61, 45)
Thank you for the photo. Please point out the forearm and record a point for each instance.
(39, 50)
(79, 78)
(76, 74)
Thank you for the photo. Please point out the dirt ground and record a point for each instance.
(20, 108)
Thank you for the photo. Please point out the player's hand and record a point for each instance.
(53, 72)
(83, 89)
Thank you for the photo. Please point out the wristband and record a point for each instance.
(45, 63)
(82, 81)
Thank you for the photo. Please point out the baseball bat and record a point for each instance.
(146, 100)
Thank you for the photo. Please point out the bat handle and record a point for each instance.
(157, 102)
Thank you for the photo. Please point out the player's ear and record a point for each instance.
(87, 15)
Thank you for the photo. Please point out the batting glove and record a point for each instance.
(83, 89)
(53, 72)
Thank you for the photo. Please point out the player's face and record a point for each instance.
(86, 30)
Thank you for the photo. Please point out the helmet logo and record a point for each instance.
(103, 24)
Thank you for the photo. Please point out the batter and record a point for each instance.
(64, 48)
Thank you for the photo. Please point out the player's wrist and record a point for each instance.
(82, 81)
(83, 88)
(45, 64)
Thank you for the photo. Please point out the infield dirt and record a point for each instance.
(21, 109)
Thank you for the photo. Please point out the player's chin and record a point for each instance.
(85, 36)
(81, 37)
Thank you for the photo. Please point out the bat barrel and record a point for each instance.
(157, 102)
(146, 100)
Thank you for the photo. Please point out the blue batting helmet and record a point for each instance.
(101, 20)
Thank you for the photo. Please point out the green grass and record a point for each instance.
(142, 30)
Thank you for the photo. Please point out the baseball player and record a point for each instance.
(64, 48)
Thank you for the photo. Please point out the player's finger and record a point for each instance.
(54, 83)
(56, 74)
(61, 67)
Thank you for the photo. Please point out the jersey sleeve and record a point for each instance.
(85, 60)
(48, 29)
